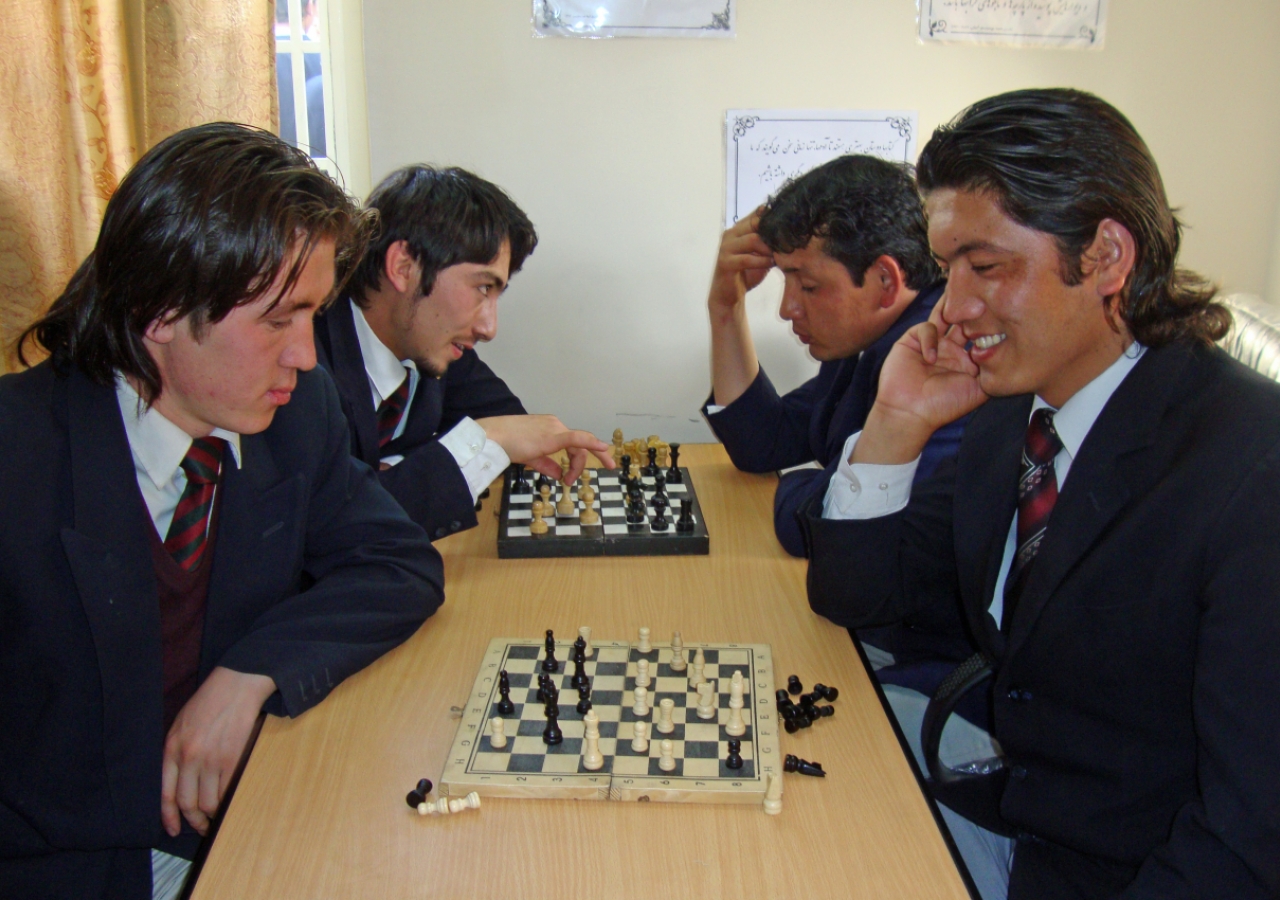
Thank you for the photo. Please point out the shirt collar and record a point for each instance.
(158, 445)
(385, 371)
(1082, 409)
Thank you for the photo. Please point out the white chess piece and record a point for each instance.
(706, 706)
(644, 646)
(641, 707)
(591, 757)
(699, 663)
(667, 762)
(665, 723)
(640, 741)
(497, 733)
(642, 673)
(585, 633)
(735, 727)
(678, 663)
(773, 794)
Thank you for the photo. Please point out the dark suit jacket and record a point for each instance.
(763, 432)
(1136, 697)
(427, 483)
(316, 573)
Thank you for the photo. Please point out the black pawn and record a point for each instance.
(541, 696)
(826, 693)
(793, 763)
(413, 798)
(673, 474)
(579, 679)
(794, 686)
(624, 466)
(825, 711)
(584, 699)
(424, 786)
(659, 520)
(505, 706)
(734, 759)
(520, 486)
(652, 467)
(685, 522)
(552, 734)
(549, 664)
(660, 485)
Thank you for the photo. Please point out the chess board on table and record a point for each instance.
(613, 536)
(527, 767)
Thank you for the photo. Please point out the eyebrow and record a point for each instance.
(970, 247)
(494, 278)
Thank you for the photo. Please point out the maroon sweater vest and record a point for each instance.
(183, 596)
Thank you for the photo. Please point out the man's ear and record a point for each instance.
(889, 276)
(162, 330)
(400, 269)
(1113, 255)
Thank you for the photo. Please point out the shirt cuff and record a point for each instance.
(480, 459)
(867, 491)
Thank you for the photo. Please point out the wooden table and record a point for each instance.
(320, 811)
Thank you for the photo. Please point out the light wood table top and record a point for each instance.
(320, 810)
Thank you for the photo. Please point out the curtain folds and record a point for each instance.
(89, 85)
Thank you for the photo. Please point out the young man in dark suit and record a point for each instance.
(185, 540)
(1109, 523)
(435, 422)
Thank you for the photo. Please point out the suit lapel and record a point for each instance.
(107, 551)
(347, 369)
(1114, 464)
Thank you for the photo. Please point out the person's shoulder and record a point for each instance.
(27, 397)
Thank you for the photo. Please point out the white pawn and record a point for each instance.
(439, 808)
(641, 708)
(640, 741)
(642, 673)
(678, 663)
(665, 724)
(591, 756)
(699, 663)
(667, 762)
(773, 794)
(497, 733)
(706, 706)
(473, 800)
(644, 646)
(735, 726)
(585, 633)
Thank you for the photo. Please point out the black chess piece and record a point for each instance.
(584, 699)
(520, 485)
(826, 693)
(505, 706)
(780, 695)
(685, 522)
(673, 473)
(649, 470)
(660, 485)
(793, 763)
(659, 520)
(794, 686)
(734, 758)
(552, 734)
(579, 679)
(549, 664)
(424, 786)
(541, 696)
(414, 799)
(825, 712)
(635, 510)
(624, 466)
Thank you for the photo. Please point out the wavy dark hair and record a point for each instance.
(205, 222)
(1060, 161)
(862, 208)
(447, 217)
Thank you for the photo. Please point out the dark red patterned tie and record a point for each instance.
(391, 411)
(1037, 493)
(190, 525)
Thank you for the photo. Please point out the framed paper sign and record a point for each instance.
(766, 147)
(634, 18)
(1076, 24)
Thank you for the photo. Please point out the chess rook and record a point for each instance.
(665, 723)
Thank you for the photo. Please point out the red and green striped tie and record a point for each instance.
(189, 528)
(1037, 493)
(391, 410)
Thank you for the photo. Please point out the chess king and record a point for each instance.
(424, 411)
(185, 540)
(1108, 526)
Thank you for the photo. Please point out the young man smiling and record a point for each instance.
(1108, 525)
(185, 540)
(435, 421)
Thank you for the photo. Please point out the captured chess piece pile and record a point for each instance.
(795, 717)
(417, 800)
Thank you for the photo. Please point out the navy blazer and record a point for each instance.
(763, 432)
(427, 482)
(316, 573)
(1135, 698)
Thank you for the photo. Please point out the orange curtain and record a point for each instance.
(89, 86)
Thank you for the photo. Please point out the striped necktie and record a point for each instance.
(1037, 493)
(189, 529)
(391, 411)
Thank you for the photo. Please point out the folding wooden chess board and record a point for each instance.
(527, 767)
(613, 536)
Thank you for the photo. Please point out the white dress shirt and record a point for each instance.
(480, 459)
(866, 491)
(158, 447)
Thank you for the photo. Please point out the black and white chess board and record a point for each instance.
(528, 767)
(613, 535)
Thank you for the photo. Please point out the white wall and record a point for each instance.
(615, 150)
